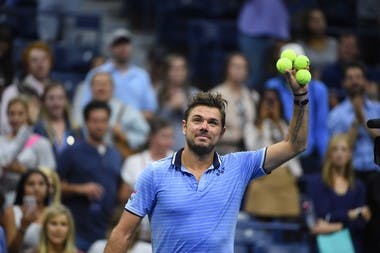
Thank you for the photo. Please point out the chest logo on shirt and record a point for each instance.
(220, 171)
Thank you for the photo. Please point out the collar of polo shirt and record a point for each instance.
(176, 161)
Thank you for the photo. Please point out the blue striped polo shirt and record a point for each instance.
(187, 215)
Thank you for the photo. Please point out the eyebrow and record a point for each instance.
(200, 116)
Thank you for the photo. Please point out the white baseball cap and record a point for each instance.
(119, 35)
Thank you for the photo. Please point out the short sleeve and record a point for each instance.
(143, 198)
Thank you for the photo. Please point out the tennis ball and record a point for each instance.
(289, 53)
(301, 62)
(283, 64)
(303, 76)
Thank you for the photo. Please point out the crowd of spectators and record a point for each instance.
(70, 163)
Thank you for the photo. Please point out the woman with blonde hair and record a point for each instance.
(54, 185)
(338, 197)
(57, 233)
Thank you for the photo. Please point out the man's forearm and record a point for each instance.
(299, 126)
(117, 242)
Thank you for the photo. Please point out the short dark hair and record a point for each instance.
(95, 105)
(210, 99)
(158, 123)
(355, 64)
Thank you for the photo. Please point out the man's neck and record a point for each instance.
(195, 162)
(122, 66)
(42, 80)
(94, 142)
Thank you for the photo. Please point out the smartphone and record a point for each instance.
(30, 203)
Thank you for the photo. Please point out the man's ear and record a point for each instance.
(222, 132)
(183, 126)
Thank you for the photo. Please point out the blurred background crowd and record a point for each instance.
(93, 90)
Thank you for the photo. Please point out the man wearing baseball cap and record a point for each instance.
(132, 84)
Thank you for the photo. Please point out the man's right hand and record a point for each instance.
(93, 191)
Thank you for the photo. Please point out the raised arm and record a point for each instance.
(122, 234)
(296, 140)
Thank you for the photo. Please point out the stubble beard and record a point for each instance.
(199, 149)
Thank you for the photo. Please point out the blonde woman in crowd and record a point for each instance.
(57, 232)
(339, 198)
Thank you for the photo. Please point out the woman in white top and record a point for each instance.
(22, 221)
(35, 152)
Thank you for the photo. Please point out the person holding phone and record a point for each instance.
(22, 221)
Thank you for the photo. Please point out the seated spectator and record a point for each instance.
(37, 59)
(54, 120)
(159, 146)
(174, 93)
(340, 199)
(332, 74)
(22, 221)
(128, 129)
(95, 62)
(311, 158)
(350, 117)
(57, 232)
(276, 195)
(90, 177)
(319, 47)
(132, 84)
(35, 152)
(241, 110)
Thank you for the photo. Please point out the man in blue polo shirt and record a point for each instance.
(90, 174)
(193, 198)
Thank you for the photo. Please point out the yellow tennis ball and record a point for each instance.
(283, 64)
(301, 62)
(303, 76)
(290, 54)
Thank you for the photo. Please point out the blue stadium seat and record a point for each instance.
(268, 237)
(70, 80)
(72, 58)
